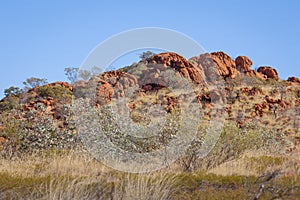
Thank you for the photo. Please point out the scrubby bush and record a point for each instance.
(233, 142)
(15, 91)
(57, 92)
(36, 132)
(10, 102)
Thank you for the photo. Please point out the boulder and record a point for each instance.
(216, 64)
(269, 72)
(293, 79)
(243, 64)
(185, 68)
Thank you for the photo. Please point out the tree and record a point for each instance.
(71, 73)
(84, 74)
(146, 54)
(34, 82)
(12, 91)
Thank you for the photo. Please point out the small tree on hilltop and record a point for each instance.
(71, 73)
(34, 82)
(12, 91)
(146, 54)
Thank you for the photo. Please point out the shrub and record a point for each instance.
(36, 133)
(232, 143)
(15, 91)
(57, 92)
(10, 102)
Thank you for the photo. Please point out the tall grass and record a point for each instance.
(76, 175)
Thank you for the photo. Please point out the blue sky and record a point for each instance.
(41, 38)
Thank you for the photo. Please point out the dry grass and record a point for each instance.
(75, 175)
(258, 164)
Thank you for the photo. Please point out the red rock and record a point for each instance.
(225, 63)
(161, 61)
(172, 103)
(251, 92)
(269, 72)
(3, 140)
(119, 81)
(293, 79)
(216, 64)
(243, 64)
(131, 105)
(60, 83)
(44, 101)
(104, 92)
(256, 74)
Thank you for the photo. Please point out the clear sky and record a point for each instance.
(41, 38)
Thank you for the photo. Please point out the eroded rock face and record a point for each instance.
(256, 74)
(216, 64)
(118, 80)
(293, 79)
(225, 64)
(243, 64)
(105, 92)
(269, 72)
(32, 100)
(162, 61)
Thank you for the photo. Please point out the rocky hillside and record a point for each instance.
(42, 117)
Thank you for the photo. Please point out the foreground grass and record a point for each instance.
(74, 175)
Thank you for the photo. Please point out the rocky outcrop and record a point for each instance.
(269, 72)
(62, 84)
(293, 79)
(120, 81)
(256, 74)
(270, 104)
(251, 91)
(215, 65)
(243, 64)
(226, 66)
(58, 83)
(172, 103)
(105, 92)
(162, 61)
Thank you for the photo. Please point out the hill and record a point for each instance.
(256, 111)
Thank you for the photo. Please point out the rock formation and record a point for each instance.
(162, 61)
(243, 64)
(269, 72)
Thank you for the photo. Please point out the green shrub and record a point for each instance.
(10, 102)
(57, 92)
(36, 133)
